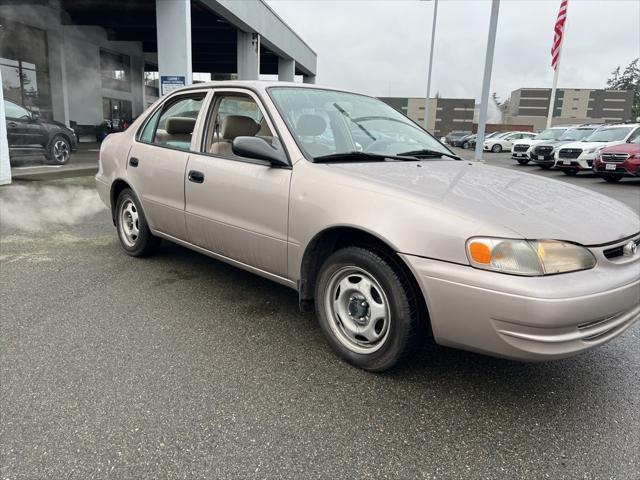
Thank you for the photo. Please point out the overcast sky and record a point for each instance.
(381, 47)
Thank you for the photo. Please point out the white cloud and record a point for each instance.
(381, 47)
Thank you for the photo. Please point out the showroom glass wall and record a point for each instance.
(24, 64)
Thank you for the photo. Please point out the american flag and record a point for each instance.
(558, 29)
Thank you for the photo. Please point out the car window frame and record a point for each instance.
(631, 135)
(217, 93)
(163, 105)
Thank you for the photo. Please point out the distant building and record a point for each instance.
(445, 114)
(531, 106)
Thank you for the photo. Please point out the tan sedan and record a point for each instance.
(375, 222)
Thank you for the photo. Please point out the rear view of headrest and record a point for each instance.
(311, 125)
(238, 126)
(180, 125)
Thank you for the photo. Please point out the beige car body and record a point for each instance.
(280, 222)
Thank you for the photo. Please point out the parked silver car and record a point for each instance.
(390, 236)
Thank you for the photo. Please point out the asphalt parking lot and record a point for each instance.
(179, 366)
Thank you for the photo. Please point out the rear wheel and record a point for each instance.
(523, 161)
(367, 309)
(572, 172)
(135, 237)
(612, 178)
(497, 148)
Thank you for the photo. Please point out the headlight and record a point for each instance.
(528, 257)
(593, 150)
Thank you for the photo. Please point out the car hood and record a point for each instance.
(531, 206)
(588, 145)
(554, 143)
(630, 148)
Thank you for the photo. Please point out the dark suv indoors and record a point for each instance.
(30, 136)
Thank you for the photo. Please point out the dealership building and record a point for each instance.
(445, 114)
(84, 62)
(530, 106)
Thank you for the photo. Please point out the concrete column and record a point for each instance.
(173, 19)
(248, 56)
(5, 166)
(309, 78)
(286, 69)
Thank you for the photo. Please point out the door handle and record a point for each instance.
(133, 161)
(12, 124)
(195, 176)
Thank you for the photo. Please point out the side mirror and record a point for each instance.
(35, 116)
(260, 149)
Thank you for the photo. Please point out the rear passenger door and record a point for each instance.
(238, 207)
(158, 160)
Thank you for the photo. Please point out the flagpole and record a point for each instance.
(554, 87)
(552, 101)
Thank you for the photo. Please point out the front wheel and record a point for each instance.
(523, 161)
(135, 237)
(465, 145)
(59, 151)
(545, 166)
(572, 172)
(367, 309)
(497, 148)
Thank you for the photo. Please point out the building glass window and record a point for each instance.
(24, 66)
(151, 81)
(116, 71)
(116, 113)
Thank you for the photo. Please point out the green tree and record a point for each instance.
(628, 79)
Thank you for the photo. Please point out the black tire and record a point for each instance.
(497, 148)
(465, 145)
(523, 161)
(545, 166)
(572, 172)
(612, 178)
(59, 150)
(145, 243)
(406, 324)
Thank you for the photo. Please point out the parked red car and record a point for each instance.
(618, 161)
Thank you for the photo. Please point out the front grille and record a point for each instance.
(614, 157)
(521, 148)
(542, 150)
(618, 251)
(570, 152)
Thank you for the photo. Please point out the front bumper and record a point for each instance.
(542, 159)
(529, 318)
(583, 162)
(628, 168)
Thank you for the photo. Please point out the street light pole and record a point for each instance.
(433, 39)
(486, 81)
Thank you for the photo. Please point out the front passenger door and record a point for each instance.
(238, 207)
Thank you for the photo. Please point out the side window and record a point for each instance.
(177, 121)
(149, 129)
(236, 115)
(15, 111)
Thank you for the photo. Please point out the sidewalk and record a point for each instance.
(83, 162)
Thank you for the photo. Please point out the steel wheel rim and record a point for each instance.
(61, 151)
(361, 327)
(129, 223)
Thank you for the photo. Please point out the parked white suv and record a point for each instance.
(571, 158)
(505, 141)
(521, 148)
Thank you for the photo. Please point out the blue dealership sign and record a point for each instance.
(169, 83)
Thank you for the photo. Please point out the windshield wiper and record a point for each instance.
(425, 152)
(360, 156)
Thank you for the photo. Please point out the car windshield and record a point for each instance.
(575, 134)
(339, 124)
(609, 134)
(550, 134)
